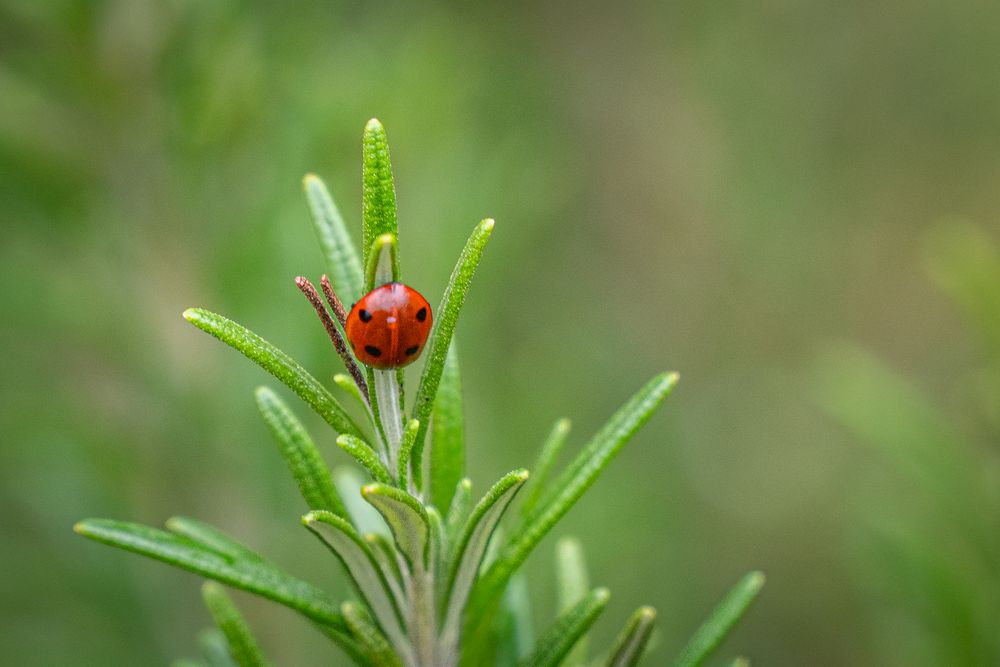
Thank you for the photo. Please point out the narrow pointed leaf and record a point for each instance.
(447, 464)
(568, 488)
(471, 547)
(405, 450)
(461, 503)
(445, 319)
(300, 453)
(214, 648)
(242, 646)
(407, 520)
(723, 618)
(388, 561)
(260, 578)
(439, 547)
(631, 643)
(346, 383)
(362, 567)
(345, 640)
(546, 461)
(572, 624)
(571, 572)
(278, 364)
(517, 635)
(374, 645)
(341, 255)
(363, 516)
(382, 266)
(211, 538)
(378, 191)
(364, 455)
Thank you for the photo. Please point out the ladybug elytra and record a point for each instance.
(387, 327)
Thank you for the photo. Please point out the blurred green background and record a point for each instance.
(772, 198)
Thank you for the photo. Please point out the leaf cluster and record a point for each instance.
(434, 585)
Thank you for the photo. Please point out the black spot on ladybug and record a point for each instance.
(410, 351)
(372, 350)
(421, 315)
(364, 315)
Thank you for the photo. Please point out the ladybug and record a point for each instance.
(387, 327)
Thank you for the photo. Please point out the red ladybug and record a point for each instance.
(387, 327)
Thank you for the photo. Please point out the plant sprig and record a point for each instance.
(427, 570)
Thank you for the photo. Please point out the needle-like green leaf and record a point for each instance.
(363, 569)
(461, 503)
(346, 383)
(516, 632)
(447, 464)
(723, 618)
(572, 624)
(387, 558)
(378, 192)
(257, 577)
(405, 450)
(300, 453)
(278, 364)
(566, 490)
(341, 255)
(214, 648)
(471, 547)
(363, 516)
(445, 319)
(376, 648)
(571, 572)
(543, 466)
(211, 538)
(364, 455)
(382, 265)
(631, 643)
(242, 646)
(407, 520)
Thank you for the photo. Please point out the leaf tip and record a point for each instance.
(80, 527)
(210, 588)
(310, 180)
(374, 125)
(602, 595)
(192, 314)
(647, 613)
(757, 579)
(487, 225)
(309, 518)
(385, 239)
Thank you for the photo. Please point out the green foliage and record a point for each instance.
(426, 573)
(721, 621)
(927, 514)
(557, 641)
(632, 641)
(242, 645)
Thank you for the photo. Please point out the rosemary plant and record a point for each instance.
(428, 592)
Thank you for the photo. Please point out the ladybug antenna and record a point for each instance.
(332, 331)
(331, 298)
